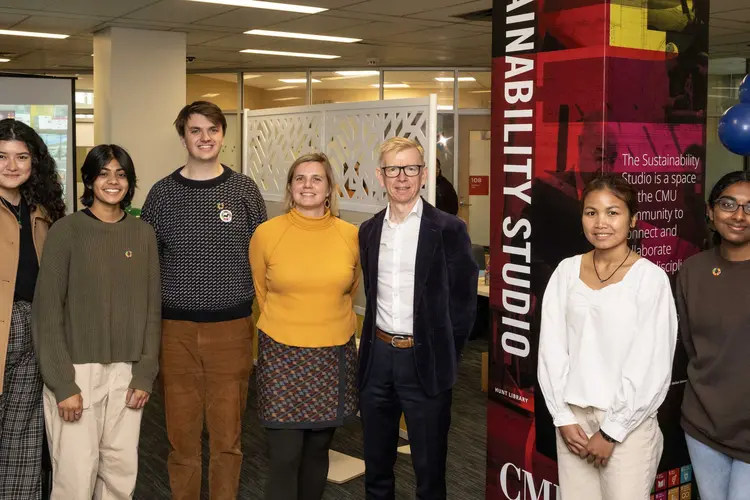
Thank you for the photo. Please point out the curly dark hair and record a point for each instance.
(43, 188)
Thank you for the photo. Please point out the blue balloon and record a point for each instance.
(734, 129)
(745, 90)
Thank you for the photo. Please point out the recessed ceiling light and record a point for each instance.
(449, 79)
(286, 87)
(392, 85)
(303, 36)
(297, 80)
(32, 34)
(4, 59)
(443, 107)
(250, 77)
(287, 98)
(288, 54)
(210, 95)
(358, 73)
(287, 7)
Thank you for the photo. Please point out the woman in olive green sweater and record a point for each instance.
(96, 327)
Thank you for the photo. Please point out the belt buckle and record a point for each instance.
(396, 337)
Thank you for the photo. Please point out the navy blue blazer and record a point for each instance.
(445, 296)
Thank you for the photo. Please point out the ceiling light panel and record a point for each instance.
(288, 54)
(286, 7)
(303, 36)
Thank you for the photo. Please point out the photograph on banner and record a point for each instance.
(567, 109)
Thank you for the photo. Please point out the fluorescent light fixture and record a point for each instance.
(297, 80)
(303, 36)
(444, 107)
(392, 85)
(480, 92)
(33, 34)
(4, 59)
(250, 77)
(84, 117)
(286, 7)
(288, 54)
(286, 87)
(287, 99)
(358, 73)
(449, 79)
(210, 95)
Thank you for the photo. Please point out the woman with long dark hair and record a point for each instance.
(608, 334)
(31, 199)
(713, 300)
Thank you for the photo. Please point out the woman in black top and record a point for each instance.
(30, 201)
(713, 300)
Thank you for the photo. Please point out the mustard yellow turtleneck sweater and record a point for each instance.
(306, 271)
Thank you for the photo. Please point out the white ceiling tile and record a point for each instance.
(366, 16)
(23, 4)
(399, 7)
(179, 11)
(378, 30)
(107, 8)
(431, 35)
(318, 24)
(246, 19)
(66, 25)
(196, 37)
(448, 12)
(9, 20)
(740, 15)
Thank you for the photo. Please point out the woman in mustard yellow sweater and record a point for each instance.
(305, 267)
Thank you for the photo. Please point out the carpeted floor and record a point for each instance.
(466, 456)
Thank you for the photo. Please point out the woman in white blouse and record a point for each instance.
(608, 335)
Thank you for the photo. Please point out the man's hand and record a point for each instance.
(71, 409)
(136, 399)
(575, 439)
(600, 450)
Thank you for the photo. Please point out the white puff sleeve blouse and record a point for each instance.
(610, 349)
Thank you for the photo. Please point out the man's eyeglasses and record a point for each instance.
(409, 170)
(731, 205)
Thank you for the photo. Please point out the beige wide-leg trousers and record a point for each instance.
(630, 472)
(97, 456)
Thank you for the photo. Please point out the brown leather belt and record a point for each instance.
(398, 341)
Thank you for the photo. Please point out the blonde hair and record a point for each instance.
(396, 145)
(333, 196)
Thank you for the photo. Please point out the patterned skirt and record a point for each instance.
(306, 387)
(21, 413)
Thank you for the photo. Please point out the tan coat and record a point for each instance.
(10, 240)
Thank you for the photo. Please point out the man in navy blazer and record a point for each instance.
(420, 281)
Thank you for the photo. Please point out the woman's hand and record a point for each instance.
(70, 409)
(136, 399)
(575, 439)
(599, 450)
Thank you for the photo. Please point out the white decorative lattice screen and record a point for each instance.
(349, 134)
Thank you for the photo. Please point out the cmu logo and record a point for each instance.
(523, 487)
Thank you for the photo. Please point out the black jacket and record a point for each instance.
(445, 296)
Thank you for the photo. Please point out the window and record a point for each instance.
(345, 86)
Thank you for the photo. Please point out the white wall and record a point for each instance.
(140, 86)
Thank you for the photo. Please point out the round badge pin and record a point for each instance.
(226, 216)
(716, 271)
(220, 206)
(128, 254)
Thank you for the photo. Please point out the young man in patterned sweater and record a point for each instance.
(204, 215)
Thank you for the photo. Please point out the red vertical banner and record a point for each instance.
(582, 87)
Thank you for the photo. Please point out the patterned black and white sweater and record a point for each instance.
(203, 229)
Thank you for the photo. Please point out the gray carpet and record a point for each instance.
(466, 456)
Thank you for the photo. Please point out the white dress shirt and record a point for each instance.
(396, 265)
(610, 349)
